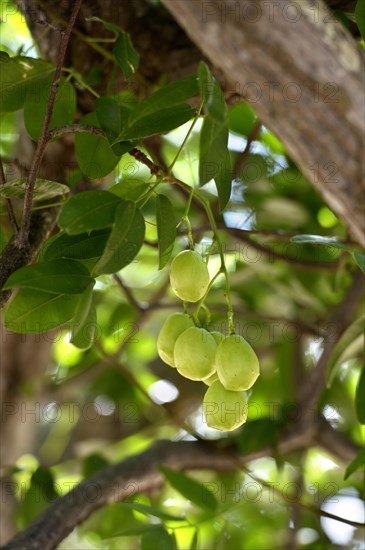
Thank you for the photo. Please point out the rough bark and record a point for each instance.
(134, 475)
(304, 75)
(138, 474)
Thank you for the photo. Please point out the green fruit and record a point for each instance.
(194, 353)
(212, 378)
(174, 325)
(236, 363)
(224, 409)
(189, 276)
(218, 336)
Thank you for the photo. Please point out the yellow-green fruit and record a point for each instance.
(212, 378)
(218, 337)
(194, 353)
(174, 325)
(224, 409)
(189, 276)
(236, 363)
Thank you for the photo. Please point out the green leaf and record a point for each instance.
(41, 492)
(88, 211)
(109, 26)
(170, 95)
(36, 311)
(157, 122)
(112, 118)
(126, 239)
(125, 54)
(77, 247)
(130, 189)
(84, 337)
(84, 321)
(357, 464)
(350, 342)
(109, 115)
(21, 76)
(194, 542)
(223, 181)
(4, 56)
(360, 398)
(242, 118)
(166, 229)
(214, 102)
(43, 189)
(213, 148)
(359, 258)
(35, 107)
(258, 433)
(360, 16)
(57, 277)
(93, 463)
(318, 239)
(93, 153)
(123, 220)
(190, 489)
(151, 511)
(157, 538)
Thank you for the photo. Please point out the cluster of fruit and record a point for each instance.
(228, 365)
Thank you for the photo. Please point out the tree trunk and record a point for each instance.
(304, 75)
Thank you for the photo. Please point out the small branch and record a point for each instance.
(335, 442)
(245, 153)
(306, 264)
(9, 206)
(72, 128)
(130, 296)
(141, 157)
(22, 237)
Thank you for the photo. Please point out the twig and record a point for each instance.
(245, 153)
(22, 237)
(95, 46)
(81, 128)
(141, 157)
(127, 291)
(9, 206)
(268, 251)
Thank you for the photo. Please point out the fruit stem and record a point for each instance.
(223, 268)
(201, 301)
(197, 115)
(185, 219)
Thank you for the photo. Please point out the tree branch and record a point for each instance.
(133, 475)
(245, 153)
(23, 236)
(72, 128)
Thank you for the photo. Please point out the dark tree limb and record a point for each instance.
(136, 474)
(12, 257)
(304, 75)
